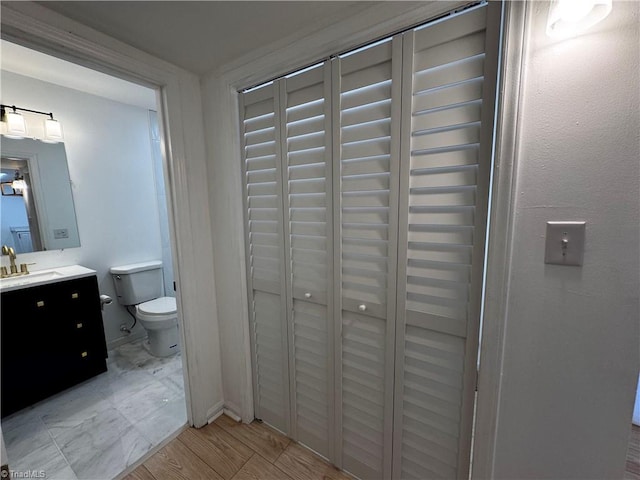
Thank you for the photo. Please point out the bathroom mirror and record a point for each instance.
(37, 210)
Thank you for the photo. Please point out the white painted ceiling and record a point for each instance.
(201, 36)
(30, 63)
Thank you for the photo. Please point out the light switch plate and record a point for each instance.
(565, 243)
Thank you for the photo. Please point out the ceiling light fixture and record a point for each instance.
(571, 17)
(17, 127)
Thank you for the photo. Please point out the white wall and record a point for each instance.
(109, 155)
(571, 355)
(225, 190)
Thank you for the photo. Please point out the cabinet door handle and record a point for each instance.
(84, 354)
(40, 303)
(362, 308)
(74, 295)
(307, 295)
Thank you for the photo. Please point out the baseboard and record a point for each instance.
(215, 411)
(231, 414)
(232, 410)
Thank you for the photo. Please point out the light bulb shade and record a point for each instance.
(16, 126)
(19, 184)
(52, 131)
(571, 17)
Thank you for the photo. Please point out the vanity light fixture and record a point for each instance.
(571, 17)
(52, 131)
(17, 128)
(18, 182)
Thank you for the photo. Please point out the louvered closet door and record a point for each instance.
(366, 87)
(260, 130)
(448, 108)
(306, 112)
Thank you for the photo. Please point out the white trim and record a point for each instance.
(215, 411)
(302, 49)
(184, 156)
(335, 340)
(231, 414)
(500, 239)
(232, 410)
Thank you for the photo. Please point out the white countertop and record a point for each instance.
(43, 277)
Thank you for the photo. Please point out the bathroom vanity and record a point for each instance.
(52, 334)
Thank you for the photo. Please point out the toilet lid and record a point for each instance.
(158, 306)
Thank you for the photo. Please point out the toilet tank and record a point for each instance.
(138, 282)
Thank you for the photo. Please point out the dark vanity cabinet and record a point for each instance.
(52, 338)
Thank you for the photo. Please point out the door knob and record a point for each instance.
(307, 295)
(362, 308)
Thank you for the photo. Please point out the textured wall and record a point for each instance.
(571, 352)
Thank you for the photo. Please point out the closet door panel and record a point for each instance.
(363, 399)
(260, 132)
(366, 86)
(268, 352)
(311, 374)
(448, 104)
(306, 143)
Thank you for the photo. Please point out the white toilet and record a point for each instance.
(141, 284)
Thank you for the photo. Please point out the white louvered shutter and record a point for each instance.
(305, 104)
(366, 88)
(366, 185)
(260, 131)
(448, 107)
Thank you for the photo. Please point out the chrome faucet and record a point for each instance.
(6, 250)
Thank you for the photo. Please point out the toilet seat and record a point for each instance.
(157, 310)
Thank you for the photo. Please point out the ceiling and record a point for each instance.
(30, 63)
(201, 36)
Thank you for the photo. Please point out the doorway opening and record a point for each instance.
(118, 194)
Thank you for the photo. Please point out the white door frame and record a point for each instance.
(180, 105)
(501, 218)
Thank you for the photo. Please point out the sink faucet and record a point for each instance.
(6, 250)
(12, 257)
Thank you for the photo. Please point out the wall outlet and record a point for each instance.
(60, 233)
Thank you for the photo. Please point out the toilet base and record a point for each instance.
(165, 342)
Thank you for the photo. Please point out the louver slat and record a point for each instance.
(260, 132)
(448, 106)
(306, 144)
(365, 109)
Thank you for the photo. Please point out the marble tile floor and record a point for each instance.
(95, 430)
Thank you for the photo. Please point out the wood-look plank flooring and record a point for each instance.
(227, 450)
(633, 455)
